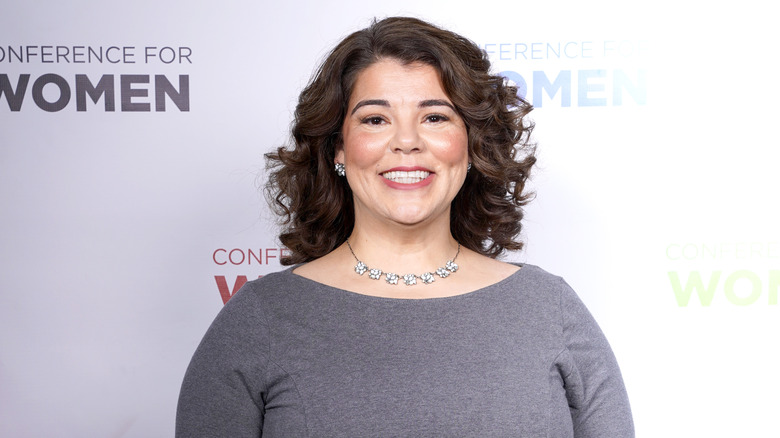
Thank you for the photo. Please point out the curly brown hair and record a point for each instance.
(316, 205)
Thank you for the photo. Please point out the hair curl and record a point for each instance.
(316, 206)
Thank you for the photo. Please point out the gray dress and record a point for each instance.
(290, 357)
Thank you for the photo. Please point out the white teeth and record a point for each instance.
(401, 177)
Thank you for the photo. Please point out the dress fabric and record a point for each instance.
(290, 357)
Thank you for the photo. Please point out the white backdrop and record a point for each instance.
(121, 230)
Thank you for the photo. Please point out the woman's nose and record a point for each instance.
(407, 139)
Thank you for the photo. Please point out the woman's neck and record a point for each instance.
(403, 248)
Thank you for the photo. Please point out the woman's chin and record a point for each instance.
(407, 212)
(408, 215)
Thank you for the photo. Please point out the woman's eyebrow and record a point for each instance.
(435, 102)
(423, 104)
(379, 102)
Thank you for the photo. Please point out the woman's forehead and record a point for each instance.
(396, 82)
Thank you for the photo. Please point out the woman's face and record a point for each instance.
(405, 147)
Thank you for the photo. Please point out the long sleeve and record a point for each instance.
(288, 357)
(221, 395)
(594, 386)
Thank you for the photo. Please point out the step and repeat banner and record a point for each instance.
(131, 159)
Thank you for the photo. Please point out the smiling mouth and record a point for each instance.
(402, 177)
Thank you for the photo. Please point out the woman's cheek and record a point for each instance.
(365, 148)
(453, 147)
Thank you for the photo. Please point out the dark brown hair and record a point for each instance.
(315, 204)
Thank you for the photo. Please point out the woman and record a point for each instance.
(405, 181)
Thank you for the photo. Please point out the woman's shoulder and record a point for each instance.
(538, 276)
(265, 286)
(534, 287)
(270, 280)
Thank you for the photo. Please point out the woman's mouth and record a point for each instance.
(406, 177)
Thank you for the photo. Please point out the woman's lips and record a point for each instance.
(407, 178)
(410, 177)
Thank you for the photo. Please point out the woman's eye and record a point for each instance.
(436, 118)
(373, 120)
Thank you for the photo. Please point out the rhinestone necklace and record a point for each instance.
(409, 279)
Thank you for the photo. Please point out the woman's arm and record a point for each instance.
(221, 395)
(594, 386)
